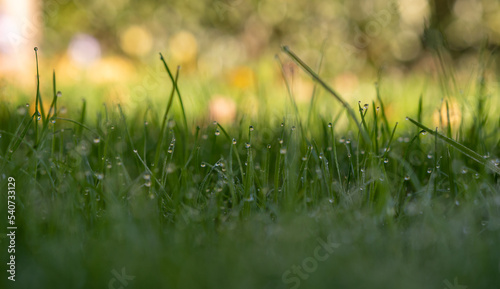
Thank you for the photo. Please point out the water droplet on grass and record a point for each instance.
(407, 178)
(217, 132)
(135, 151)
(423, 132)
(268, 146)
(407, 118)
(282, 124)
(330, 124)
(97, 140)
(283, 151)
(202, 165)
(251, 128)
(234, 141)
(429, 170)
(248, 145)
(386, 160)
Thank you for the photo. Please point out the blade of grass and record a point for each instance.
(164, 122)
(316, 77)
(461, 148)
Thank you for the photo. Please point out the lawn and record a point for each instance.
(352, 198)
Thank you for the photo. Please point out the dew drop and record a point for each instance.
(282, 124)
(202, 165)
(248, 145)
(251, 128)
(234, 141)
(268, 146)
(97, 140)
(386, 160)
(330, 124)
(217, 132)
(429, 170)
(423, 132)
(407, 178)
(407, 118)
(135, 151)
(283, 151)
(429, 156)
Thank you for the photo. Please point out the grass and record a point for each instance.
(246, 206)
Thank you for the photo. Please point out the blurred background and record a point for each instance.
(107, 51)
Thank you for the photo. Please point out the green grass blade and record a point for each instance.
(461, 148)
(316, 77)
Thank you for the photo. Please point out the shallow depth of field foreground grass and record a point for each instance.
(267, 203)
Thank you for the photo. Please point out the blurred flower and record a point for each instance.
(7, 27)
(441, 116)
(222, 109)
(84, 49)
(136, 41)
(346, 83)
(184, 47)
(111, 69)
(242, 77)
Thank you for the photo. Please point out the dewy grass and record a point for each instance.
(237, 206)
